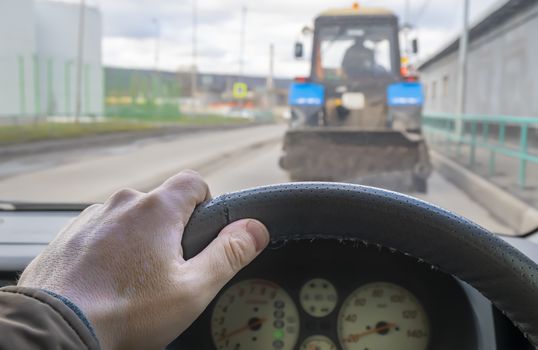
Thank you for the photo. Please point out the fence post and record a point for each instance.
(446, 128)
(460, 136)
(67, 87)
(485, 132)
(472, 154)
(87, 85)
(453, 141)
(493, 152)
(502, 133)
(50, 87)
(522, 156)
(37, 87)
(22, 85)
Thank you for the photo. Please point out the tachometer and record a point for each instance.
(382, 316)
(255, 314)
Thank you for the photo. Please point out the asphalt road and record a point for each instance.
(91, 175)
(262, 169)
(229, 160)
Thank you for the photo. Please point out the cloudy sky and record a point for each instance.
(130, 30)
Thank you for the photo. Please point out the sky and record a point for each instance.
(132, 30)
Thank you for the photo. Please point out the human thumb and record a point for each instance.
(234, 248)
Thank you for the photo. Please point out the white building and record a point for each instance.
(38, 55)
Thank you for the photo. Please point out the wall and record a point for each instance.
(17, 50)
(502, 72)
(57, 45)
(38, 50)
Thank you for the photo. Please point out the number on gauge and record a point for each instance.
(255, 314)
(318, 342)
(382, 316)
(318, 297)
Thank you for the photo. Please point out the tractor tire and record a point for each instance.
(420, 184)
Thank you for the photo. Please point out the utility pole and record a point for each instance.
(270, 77)
(407, 26)
(462, 67)
(157, 42)
(194, 80)
(242, 47)
(156, 63)
(80, 61)
(242, 42)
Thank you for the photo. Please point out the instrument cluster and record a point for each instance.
(375, 316)
(326, 295)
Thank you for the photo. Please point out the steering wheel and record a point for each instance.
(351, 213)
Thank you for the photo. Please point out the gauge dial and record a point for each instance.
(255, 314)
(382, 316)
(318, 342)
(318, 297)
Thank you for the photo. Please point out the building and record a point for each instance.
(38, 55)
(502, 76)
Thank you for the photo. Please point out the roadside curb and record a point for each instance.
(517, 214)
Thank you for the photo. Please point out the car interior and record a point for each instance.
(399, 186)
(354, 267)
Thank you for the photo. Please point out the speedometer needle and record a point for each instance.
(353, 338)
(246, 327)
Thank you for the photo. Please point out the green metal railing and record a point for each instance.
(475, 131)
(40, 88)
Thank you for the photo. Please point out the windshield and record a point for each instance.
(98, 95)
(352, 52)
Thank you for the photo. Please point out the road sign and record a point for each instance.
(240, 90)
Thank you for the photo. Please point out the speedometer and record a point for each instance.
(255, 314)
(380, 316)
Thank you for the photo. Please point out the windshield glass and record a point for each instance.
(99, 95)
(353, 52)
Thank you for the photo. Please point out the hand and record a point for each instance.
(121, 263)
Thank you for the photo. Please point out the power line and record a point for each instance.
(421, 11)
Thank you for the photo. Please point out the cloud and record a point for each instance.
(130, 33)
(145, 18)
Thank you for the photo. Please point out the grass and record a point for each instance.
(49, 131)
(10, 134)
(186, 119)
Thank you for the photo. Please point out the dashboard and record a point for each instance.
(330, 291)
(326, 295)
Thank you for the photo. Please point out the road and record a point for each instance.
(92, 175)
(229, 160)
(261, 169)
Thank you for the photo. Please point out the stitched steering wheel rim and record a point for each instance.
(455, 245)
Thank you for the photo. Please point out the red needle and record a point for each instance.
(240, 330)
(353, 338)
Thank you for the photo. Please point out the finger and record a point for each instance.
(208, 196)
(91, 208)
(183, 192)
(234, 248)
(122, 197)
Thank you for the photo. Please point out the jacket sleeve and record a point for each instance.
(34, 319)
